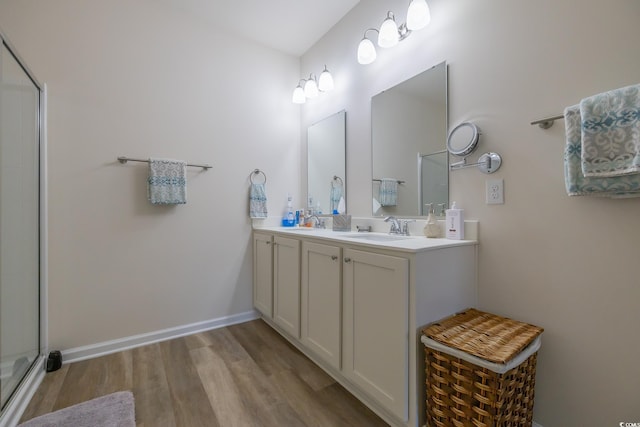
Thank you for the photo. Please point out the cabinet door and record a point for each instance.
(263, 273)
(376, 327)
(286, 284)
(321, 287)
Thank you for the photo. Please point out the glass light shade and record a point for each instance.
(310, 88)
(366, 52)
(298, 95)
(325, 82)
(388, 35)
(418, 15)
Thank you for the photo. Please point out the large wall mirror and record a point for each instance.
(326, 164)
(408, 138)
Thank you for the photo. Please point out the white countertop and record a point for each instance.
(378, 240)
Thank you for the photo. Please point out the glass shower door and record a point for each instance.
(19, 224)
(434, 181)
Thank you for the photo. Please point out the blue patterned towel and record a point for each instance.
(167, 182)
(611, 133)
(388, 192)
(334, 197)
(579, 185)
(257, 201)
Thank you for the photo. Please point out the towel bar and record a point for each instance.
(379, 180)
(547, 122)
(123, 159)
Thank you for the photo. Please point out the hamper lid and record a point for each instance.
(491, 337)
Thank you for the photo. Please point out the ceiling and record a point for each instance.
(290, 26)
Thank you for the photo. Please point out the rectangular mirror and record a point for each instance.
(408, 145)
(326, 164)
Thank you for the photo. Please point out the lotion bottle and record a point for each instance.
(454, 223)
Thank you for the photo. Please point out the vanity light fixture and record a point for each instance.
(390, 33)
(418, 15)
(366, 50)
(325, 82)
(298, 94)
(311, 87)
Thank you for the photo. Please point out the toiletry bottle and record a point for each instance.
(454, 223)
(290, 216)
(431, 228)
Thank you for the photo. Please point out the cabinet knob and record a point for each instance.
(268, 242)
(334, 257)
(347, 260)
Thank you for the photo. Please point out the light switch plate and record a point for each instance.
(495, 191)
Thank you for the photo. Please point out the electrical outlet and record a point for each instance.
(495, 191)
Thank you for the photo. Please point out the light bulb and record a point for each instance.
(311, 88)
(366, 52)
(418, 15)
(388, 35)
(298, 95)
(325, 82)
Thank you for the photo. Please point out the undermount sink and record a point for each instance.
(376, 237)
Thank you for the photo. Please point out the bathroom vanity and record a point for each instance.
(355, 302)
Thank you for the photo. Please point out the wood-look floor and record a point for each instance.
(242, 375)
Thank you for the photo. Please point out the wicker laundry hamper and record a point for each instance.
(480, 370)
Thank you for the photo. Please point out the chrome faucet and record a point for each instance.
(399, 226)
(319, 222)
(396, 228)
(405, 226)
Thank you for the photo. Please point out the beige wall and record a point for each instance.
(138, 79)
(567, 264)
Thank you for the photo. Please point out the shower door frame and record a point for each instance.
(19, 400)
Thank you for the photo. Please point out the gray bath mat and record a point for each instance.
(112, 410)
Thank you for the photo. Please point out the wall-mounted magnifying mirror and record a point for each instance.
(463, 139)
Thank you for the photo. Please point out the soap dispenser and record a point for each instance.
(454, 223)
(431, 228)
(289, 219)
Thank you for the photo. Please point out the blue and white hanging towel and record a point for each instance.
(579, 185)
(167, 182)
(257, 201)
(334, 197)
(611, 133)
(388, 192)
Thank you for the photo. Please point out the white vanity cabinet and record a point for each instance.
(286, 284)
(263, 273)
(376, 291)
(321, 303)
(356, 307)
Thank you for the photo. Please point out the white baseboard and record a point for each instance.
(108, 347)
(535, 424)
(19, 401)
